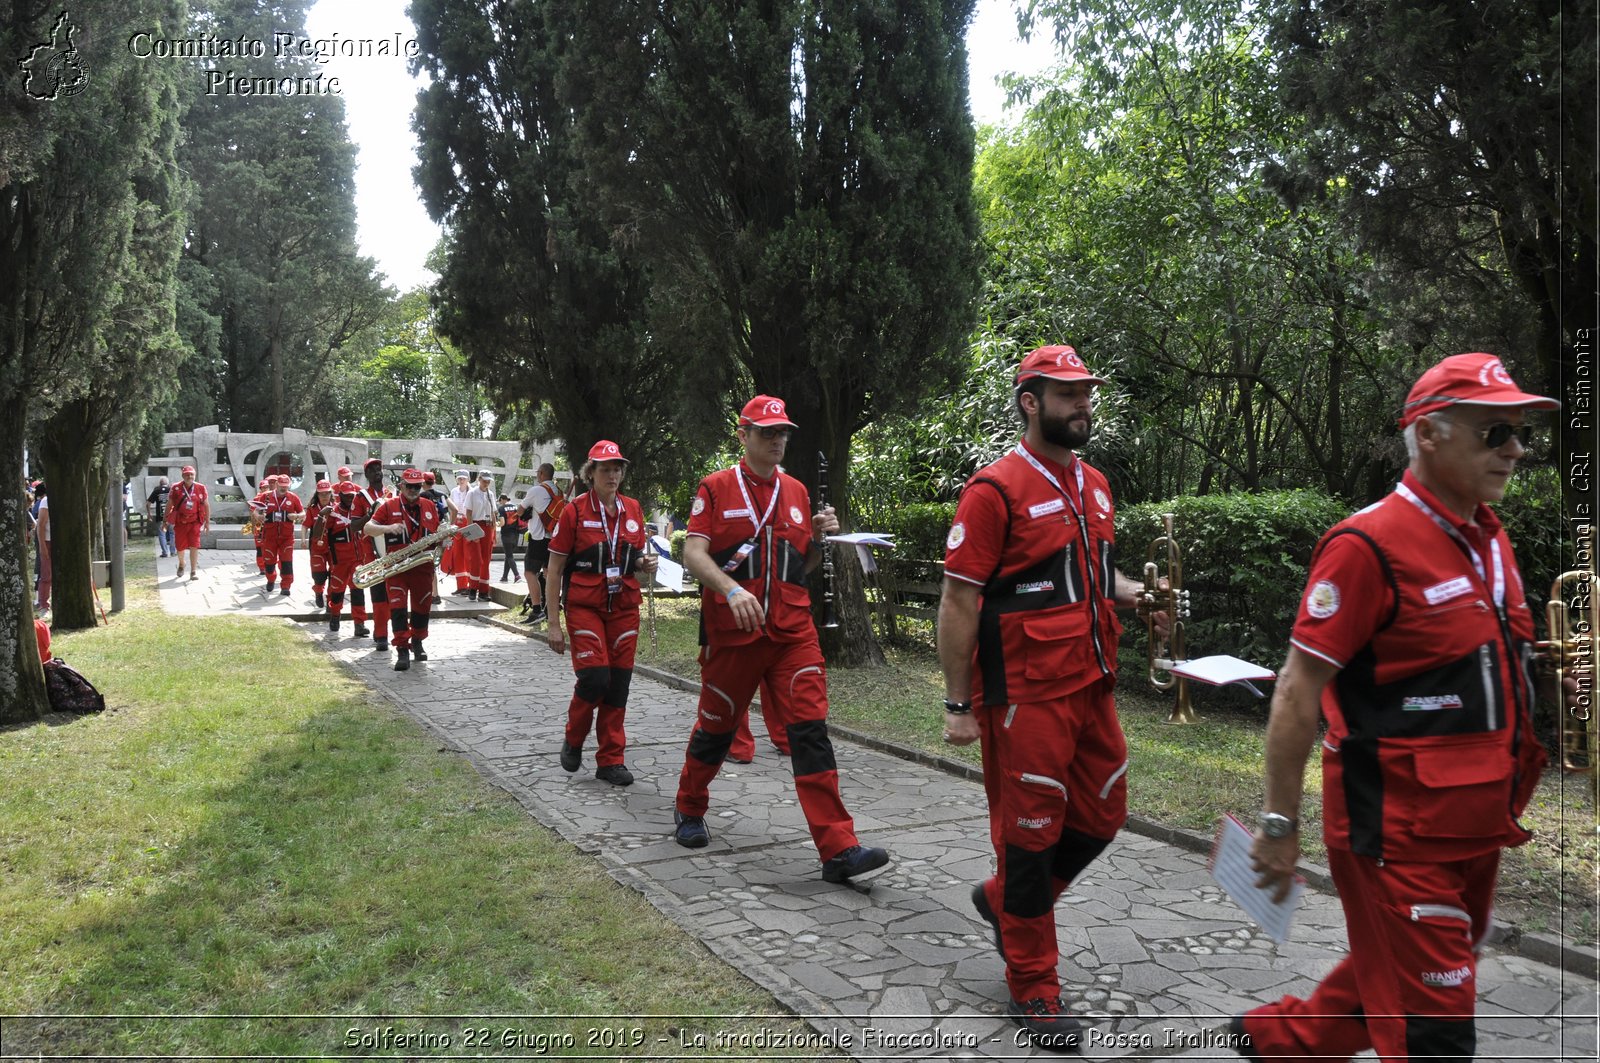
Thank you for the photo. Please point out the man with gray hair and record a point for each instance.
(1413, 640)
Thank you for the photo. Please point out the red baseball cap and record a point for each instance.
(344, 470)
(323, 485)
(188, 470)
(605, 450)
(1055, 363)
(370, 462)
(764, 411)
(428, 478)
(1479, 379)
(412, 476)
(344, 487)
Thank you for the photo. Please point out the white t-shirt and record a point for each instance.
(480, 505)
(44, 504)
(534, 503)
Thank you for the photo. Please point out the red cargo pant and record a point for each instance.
(410, 601)
(794, 673)
(602, 647)
(1056, 776)
(1408, 987)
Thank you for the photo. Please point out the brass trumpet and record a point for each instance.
(1571, 651)
(1161, 653)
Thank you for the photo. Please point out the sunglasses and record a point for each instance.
(1498, 435)
(410, 487)
(772, 432)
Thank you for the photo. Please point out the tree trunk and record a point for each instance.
(852, 644)
(67, 446)
(22, 694)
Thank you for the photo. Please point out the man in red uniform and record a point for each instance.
(402, 521)
(596, 553)
(338, 532)
(366, 502)
(1028, 634)
(316, 525)
(750, 546)
(280, 512)
(1412, 639)
(189, 513)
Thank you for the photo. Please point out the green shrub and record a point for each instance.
(919, 530)
(1531, 512)
(1244, 562)
(677, 544)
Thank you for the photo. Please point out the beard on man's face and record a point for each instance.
(1070, 431)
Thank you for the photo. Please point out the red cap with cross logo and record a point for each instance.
(1055, 363)
(764, 411)
(605, 450)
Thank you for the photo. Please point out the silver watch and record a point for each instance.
(1276, 825)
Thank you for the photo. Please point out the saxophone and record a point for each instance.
(425, 551)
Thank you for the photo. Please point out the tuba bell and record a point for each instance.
(1173, 600)
(1571, 651)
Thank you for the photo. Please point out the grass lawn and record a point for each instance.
(248, 832)
(1188, 776)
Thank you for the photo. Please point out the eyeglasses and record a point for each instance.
(1498, 435)
(410, 487)
(772, 431)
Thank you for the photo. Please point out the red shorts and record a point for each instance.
(186, 536)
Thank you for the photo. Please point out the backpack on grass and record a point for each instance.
(69, 691)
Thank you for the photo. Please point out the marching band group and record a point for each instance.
(1429, 753)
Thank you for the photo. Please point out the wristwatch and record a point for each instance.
(1276, 825)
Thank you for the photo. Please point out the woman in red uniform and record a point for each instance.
(596, 551)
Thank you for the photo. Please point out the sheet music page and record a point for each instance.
(1230, 865)
(864, 539)
(1221, 669)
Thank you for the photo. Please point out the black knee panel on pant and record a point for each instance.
(617, 689)
(709, 748)
(810, 748)
(1441, 1040)
(380, 593)
(358, 596)
(400, 618)
(592, 684)
(1076, 851)
(1028, 893)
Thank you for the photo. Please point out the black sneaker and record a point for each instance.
(381, 645)
(284, 593)
(417, 652)
(361, 631)
(1047, 1023)
(691, 831)
(333, 625)
(615, 774)
(1237, 1039)
(319, 599)
(855, 862)
(272, 585)
(402, 659)
(571, 757)
(980, 901)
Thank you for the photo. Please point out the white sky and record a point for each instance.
(379, 95)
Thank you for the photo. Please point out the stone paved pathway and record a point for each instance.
(1153, 953)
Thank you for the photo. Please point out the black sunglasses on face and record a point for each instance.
(773, 432)
(1497, 435)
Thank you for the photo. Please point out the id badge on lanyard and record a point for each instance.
(746, 548)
